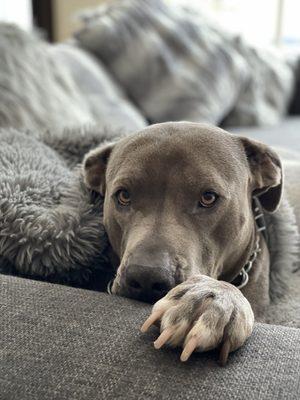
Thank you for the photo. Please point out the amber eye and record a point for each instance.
(123, 197)
(208, 199)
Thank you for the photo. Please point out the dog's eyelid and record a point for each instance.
(119, 188)
(120, 185)
(210, 189)
(221, 190)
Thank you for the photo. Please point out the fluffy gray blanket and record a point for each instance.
(50, 225)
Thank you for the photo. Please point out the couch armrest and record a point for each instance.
(63, 343)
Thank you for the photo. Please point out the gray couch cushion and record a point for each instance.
(63, 343)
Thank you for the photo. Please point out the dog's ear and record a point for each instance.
(266, 172)
(94, 167)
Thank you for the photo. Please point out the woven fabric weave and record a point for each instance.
(65, 343)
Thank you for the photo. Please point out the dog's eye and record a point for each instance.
(208, 199)
(123, 197)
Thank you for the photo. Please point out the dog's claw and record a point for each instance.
(163, 338)
(151, 320)
(224, 353)
(188, 349)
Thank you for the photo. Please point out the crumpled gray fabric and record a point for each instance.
(50, 224)
(57, 86)
(175, 64)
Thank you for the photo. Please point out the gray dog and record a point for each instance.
(182, 217)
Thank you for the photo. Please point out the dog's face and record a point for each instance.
(178, 202)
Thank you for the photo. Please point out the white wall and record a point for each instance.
(261, 22)
(17, 11)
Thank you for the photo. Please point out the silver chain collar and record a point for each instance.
(261, 226)
(244, 274)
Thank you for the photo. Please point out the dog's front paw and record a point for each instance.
(202, 314)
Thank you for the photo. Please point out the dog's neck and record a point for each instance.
(242, 278)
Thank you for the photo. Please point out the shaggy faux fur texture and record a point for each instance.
(50, 225)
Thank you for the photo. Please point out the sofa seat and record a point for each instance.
(64, 343)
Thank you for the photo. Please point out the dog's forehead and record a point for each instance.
(178, 144)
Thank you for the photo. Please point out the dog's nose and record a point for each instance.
(148, 283)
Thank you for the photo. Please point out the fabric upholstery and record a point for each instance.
(63, 343)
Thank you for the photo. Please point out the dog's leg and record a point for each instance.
(202, 314)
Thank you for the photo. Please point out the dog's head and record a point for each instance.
(178, 202)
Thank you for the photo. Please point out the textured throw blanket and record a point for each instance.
(50, 225)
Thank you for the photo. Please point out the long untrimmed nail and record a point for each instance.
(151, 320)
(188, 349)
(163, 338)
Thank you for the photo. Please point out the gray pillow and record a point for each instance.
(107, 103)
(173, 64)
(267, 94)
(45, 86)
